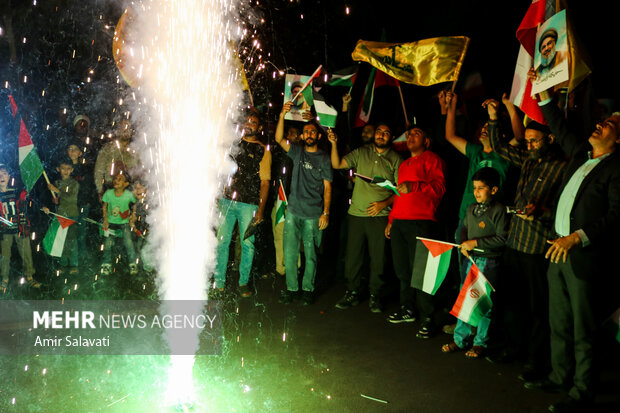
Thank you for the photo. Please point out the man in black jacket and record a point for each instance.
(587, 218)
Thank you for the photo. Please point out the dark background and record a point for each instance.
(289, 42)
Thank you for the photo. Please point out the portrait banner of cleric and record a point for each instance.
(551, 54)
(292, 85)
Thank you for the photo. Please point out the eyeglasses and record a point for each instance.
(533, 142)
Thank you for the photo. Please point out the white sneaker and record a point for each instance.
(106, 269)
(133, 269)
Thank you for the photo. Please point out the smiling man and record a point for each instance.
(525, 291)
(422, 185)
(308, 207)
(368, 214)
(582, 291)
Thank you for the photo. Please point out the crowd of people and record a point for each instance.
(537, 214)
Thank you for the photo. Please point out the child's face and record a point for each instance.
(120, 182)
(74, 152)
(65, 171)
(483, 192)
(139, 190)
(5, 177)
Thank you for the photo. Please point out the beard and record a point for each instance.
(548, 61)
(538, 153)
(382, 145)
(309, 141)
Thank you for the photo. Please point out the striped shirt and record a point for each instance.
(539, 184)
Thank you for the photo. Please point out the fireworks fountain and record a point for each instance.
(183, 64)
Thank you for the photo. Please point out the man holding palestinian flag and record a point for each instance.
(422, 185)
(368, 213)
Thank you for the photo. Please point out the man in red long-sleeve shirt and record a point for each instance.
(422, 185)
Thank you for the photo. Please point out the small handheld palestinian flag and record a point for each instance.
(385, 183)
(54, 240)
(281, 204)
(377, 180)
(430, 265)
(474, 300)
(345, 77)
(114, 232)
(326, 114)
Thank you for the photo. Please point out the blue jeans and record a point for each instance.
(231, 213)
(297, 230)
(127, 242)
(463, 331)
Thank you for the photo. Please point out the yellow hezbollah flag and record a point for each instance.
(423, 63)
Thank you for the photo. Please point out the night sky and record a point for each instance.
(295, 37)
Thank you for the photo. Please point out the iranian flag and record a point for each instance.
(280, 204)
(474, 300)
(30, 165)
(430, 265)
(54, 240)
(326, 114)
(521, 93)
(344, 77)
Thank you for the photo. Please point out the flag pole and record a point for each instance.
(61, 216)
(402, 101)
(447, 243)
(315, 74)
(48, 182)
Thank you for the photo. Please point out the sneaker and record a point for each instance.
(245, 291)
(426, 329)
(375, 304)
(307, 298)
(402, 316)
(287, 297)
(106, 269)
(133, 269)
(349, 300)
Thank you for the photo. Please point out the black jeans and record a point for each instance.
(403, 235)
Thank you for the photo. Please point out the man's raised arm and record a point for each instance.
(337, 162)
(280, 127)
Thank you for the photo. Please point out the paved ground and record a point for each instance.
(279, 358)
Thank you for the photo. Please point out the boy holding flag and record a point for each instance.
(485, 227)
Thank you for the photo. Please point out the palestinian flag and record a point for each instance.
(385, 183)
(54, 240)
(30, 165)
(326, 114)
(613, 325)
(474, 300)
(430, 265)
(281, 204)
(345, 77)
